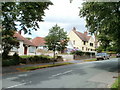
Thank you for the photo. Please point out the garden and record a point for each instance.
(29, 59)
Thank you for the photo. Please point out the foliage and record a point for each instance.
(116, 84)
(56, 39)
(35, 59)
(103, 17)
(26, 56)
(80, 53)
(77, 52)
(14, 60)
(8, 42)
(20, 15)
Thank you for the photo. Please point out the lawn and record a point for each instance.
(116, 84)
(94, 59)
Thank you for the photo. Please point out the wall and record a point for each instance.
(78, 42)
(21, 48)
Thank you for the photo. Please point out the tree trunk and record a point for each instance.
(54, 55)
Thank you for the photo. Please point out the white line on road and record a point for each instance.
(67, 71)
(19, 84)
(22, 75)
(56, 74)
(61, 73)
(12, 78)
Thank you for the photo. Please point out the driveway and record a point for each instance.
(96, 74)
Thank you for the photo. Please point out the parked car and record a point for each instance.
(117, 55)
(102, 56)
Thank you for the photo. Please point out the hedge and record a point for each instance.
(14, 60)
(35, 59)
(80, 53)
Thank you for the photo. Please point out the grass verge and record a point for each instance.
(43, 66)
(94, 59)
(116, 84)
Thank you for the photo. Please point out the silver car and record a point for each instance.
(102, 56)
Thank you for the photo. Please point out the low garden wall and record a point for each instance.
(78, 57)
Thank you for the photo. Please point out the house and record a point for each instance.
(26, 47)
(39, 42)
(81, 41)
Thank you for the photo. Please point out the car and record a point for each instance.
(102, 56)
(117, 55)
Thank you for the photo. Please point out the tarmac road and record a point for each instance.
(95, 74)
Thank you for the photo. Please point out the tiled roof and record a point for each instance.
(82, 36)
(25, 41)
(39, 41)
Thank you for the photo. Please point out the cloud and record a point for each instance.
(63, 13)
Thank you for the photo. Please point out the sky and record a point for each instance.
(64, 14)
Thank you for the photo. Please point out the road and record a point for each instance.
(95, 74)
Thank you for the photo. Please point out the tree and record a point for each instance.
(27, 14)
(57, 39)
(103, 17)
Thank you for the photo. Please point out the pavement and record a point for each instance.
(95, 74)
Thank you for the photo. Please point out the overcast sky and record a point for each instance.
(64, 14)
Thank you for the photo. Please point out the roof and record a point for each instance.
(39, 41)
(25, 41)
(82, 36)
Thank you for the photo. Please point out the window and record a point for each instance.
(91, 44)
(91, 49)
(32, 49)
(82, 48)
(73, 42)
(84, 42)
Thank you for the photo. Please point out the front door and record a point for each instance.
(25, 50)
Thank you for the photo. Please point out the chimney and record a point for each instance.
(74, 28)
(86, 33)
(19, 32)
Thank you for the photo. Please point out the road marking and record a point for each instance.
(67, 71)
(22, 75)
(19, 84)
(12, 78)
(61, 73)
(56, 74)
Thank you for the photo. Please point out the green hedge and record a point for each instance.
(14, 60)
(77, 52)
(35, 59)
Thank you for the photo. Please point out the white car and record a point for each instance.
(102, 56)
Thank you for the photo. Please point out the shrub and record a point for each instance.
(8, 62)
(35, 59)
(16, 59)
(77, 52)
(12, 60)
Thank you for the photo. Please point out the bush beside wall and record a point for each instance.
(35, 59)
(14, 60)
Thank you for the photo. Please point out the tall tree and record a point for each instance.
(57, 39)
(27, 14)
(103, 17)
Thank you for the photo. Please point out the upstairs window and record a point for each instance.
(91, 44)
(73, 42)
(84, 42)
(82, 48)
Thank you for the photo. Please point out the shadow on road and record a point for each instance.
(108, 66)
